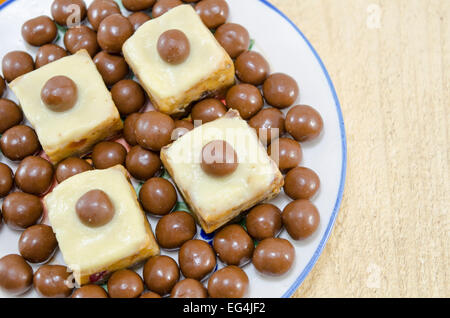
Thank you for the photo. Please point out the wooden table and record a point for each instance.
(390, 63)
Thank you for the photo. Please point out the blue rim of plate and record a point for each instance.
(337, 205)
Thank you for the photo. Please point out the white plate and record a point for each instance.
(287, 50)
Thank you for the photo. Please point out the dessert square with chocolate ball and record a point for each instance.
(99, 224)
(178, 60)
(58, 100)
(221, 169)
(138, 5)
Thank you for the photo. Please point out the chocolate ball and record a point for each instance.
(252, 68)
(184, 124)
(173, 47)
(95, 208)
(246, 99)
(213, 13)
(107, 154)
(125, 284)
(37, 243)
(141, 163)
(197, 259)
(301, 219)
(233, 245)
(128, 96)
(129, 129)
(49, 53)
(6, 180)
(59, 94)
(15, 64)
(161, 273)
(19, 142)
(150, 295)
(280, 90)
(301, 183)
(10, 115)
(182, 127)
(228, 282)
(90, 291)
(263, 221)
(81, 37)
(137, 19)
(70, 167)
(234, 38)
(273, 256)
(34, 175)
(189, 288)
(219, 158)
(162, 6)
(39, 31)
(99, 10)
(53, 281)
(304, 123)
(158, 196)
(289, 153)
(138, 5)
(113, 68)
(174, 229)
(21, 210)
(3, 87)
(112, 33)
(154, 130)
(269, 124)
(64, 12)
(208, 110)
(16, 276)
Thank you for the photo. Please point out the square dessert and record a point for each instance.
(207, 70)
(73, 131)
(92, 250)
(215, 200)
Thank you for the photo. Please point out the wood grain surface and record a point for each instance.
(390, 63)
